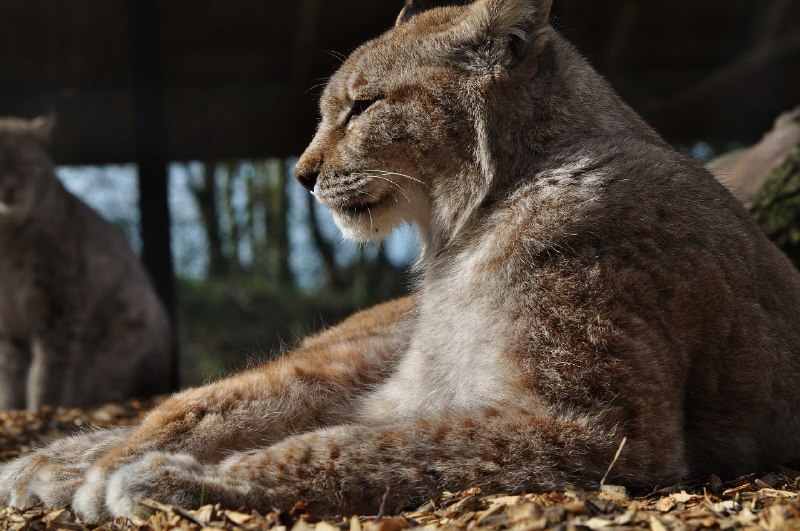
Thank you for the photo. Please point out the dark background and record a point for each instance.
(238, 75)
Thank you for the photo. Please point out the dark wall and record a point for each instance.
(714, 70)
(240, 75)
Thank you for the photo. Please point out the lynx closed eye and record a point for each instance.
(360, 107)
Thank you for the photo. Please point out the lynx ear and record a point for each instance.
(414, 7)
(504, 32)
(42, 126)
(491, 32)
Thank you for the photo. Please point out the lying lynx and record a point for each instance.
(580, 283)
(79, 322)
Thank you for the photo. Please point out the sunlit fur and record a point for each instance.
(581, 283)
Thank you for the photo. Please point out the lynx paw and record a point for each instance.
(51, 475)
(15, 478)
(174, 479)
(158, 476)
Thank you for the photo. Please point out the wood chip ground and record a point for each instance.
(768, 502)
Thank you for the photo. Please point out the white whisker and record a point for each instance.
(318, 85)
(387, 172)
(402, 191)
(336, 55)
(361, 192)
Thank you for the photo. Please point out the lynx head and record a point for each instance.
(25, 168)
(403, 130)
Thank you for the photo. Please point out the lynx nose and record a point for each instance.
(306, 177)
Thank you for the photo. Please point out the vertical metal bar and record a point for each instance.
(150, 137)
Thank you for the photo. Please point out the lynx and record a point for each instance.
(79, 321)
(581, 283)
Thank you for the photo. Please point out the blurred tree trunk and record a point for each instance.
(230, 174)
(325, 249)
(381, 267)
(361, 280)
(247, 226)
(204, 192)
(381, 278)
(256, 218)
(277, 211)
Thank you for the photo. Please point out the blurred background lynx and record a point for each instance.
(80, 323)
(180, 122)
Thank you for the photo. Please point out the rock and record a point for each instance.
(744, 171)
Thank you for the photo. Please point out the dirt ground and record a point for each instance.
(764, 502)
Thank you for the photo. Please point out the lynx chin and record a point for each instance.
(580, 282)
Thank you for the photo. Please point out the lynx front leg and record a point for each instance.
(14, 363)
(317, 385)
(50, 475)
(348, 468)
(51, 365)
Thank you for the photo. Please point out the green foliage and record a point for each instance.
(776, 206)
(228, 325)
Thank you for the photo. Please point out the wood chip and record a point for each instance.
(770, 501)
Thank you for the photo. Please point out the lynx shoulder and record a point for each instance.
(79, 321)
(580, 283)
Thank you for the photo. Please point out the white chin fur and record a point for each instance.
(366, 227)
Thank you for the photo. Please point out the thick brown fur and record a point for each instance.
(80, 323)
(580, 282)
